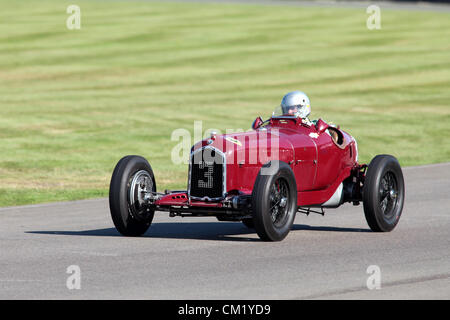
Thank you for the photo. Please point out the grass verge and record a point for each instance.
(73, 102)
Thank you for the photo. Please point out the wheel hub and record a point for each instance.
(140, 187)
(392, 194)
(283, 202)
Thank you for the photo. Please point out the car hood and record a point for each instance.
(267, 143)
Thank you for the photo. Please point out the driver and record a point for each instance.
(296, 103)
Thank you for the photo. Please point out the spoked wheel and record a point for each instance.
(279, 195)
(274, 202)
(388, 195)
(131, 181)
(383, 193)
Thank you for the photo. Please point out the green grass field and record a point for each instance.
(73, 102)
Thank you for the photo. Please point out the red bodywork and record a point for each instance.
(319, 163)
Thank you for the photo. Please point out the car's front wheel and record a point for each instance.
(132, 179)
(274, 201)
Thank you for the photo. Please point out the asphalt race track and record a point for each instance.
(201, 258)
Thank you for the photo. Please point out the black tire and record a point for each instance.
(248, 222)
(129, 220)
(273, 221)
(383, 193)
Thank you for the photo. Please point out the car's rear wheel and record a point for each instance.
(383, 193)
(274, 201)
(132, 179)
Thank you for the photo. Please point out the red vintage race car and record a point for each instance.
(263, 177)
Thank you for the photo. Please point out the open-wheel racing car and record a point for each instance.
(263, 177)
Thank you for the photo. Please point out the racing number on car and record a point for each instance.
(208, 174)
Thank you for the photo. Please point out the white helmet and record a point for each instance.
(296, 103)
